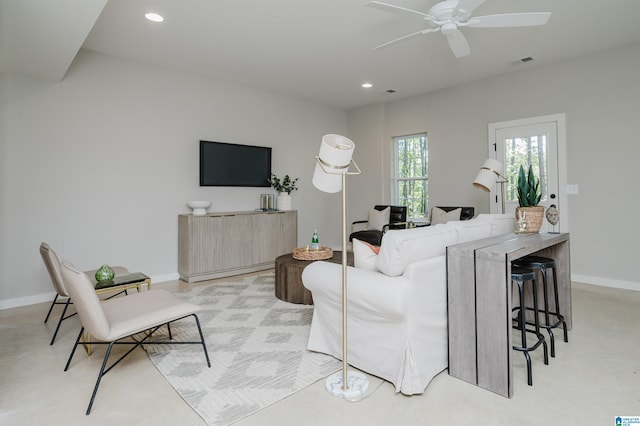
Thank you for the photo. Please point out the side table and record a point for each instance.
(289, 277)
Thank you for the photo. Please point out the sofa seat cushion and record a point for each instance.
(400, 248)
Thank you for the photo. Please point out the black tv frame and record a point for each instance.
(234, 165)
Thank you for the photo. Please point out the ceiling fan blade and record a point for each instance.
(509, 20)
(408, 36)
(468, 6)
(458, 44)
(400, 10)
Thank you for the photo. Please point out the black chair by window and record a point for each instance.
(378, 223)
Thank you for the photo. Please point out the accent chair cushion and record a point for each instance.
(378, 218)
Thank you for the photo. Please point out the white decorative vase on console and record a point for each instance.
(199, 207)
(283, 201)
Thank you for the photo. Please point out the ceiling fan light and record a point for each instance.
(153, 17)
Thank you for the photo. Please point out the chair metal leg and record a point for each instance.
(62, 318)
(104, 369)
(51, 308)
(75, 346)
(102, 373)
(204, 345)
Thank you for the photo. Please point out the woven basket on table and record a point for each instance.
(305, 253)
(533, 217)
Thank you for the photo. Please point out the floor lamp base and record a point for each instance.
(357, 385)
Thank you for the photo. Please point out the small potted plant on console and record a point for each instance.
(284, 187)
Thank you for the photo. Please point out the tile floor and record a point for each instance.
(593, 378)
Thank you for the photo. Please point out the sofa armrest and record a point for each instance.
(368, 291)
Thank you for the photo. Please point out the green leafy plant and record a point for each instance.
(528, 187)
(285, 185)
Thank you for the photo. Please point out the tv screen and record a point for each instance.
(227, 164)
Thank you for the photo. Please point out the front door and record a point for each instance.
(539, 142)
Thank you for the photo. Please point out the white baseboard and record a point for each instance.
(606, 282)
(25, 301)
(165, 277)
(48, 297)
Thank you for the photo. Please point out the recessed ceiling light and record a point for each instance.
(367, 85)
(154, 17)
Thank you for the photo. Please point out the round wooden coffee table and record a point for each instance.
(289, 277)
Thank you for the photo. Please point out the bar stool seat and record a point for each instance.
(543, 264)
(522, 275)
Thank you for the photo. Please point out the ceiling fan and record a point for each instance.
(449, 15)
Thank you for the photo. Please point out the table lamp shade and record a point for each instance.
(488, 174)
(333, 160)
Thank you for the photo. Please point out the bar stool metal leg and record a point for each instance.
(520, 276)
(543, 264)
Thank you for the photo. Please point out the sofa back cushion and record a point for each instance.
(471, 230)
(402, 247)
(500, 223)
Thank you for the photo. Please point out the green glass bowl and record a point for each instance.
(105, 273)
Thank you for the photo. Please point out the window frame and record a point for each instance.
(396, 179)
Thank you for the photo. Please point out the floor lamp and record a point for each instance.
(330, 175)
(488, 176)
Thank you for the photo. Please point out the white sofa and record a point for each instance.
(397, 313)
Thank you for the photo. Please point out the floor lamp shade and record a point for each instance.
(488, 175)
(333, 160)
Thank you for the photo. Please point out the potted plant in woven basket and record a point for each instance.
(528, 192)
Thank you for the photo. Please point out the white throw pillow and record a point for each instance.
(364, 256)
(379, 218)
(440, 216)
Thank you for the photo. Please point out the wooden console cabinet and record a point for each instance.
(224, 244)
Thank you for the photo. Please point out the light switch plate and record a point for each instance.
(572, 189)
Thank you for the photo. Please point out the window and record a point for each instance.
(411, 174)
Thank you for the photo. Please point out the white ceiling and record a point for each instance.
(320, 50)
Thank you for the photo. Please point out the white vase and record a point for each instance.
(284, 201)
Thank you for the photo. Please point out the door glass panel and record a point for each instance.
(525, 151)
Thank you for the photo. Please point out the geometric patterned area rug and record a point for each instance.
(257, 345)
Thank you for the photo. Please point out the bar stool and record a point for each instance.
(522, 275)
(543, 264)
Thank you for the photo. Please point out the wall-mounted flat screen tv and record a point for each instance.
(228, 164)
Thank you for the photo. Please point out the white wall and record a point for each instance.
(600, 95)
(100, 164)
